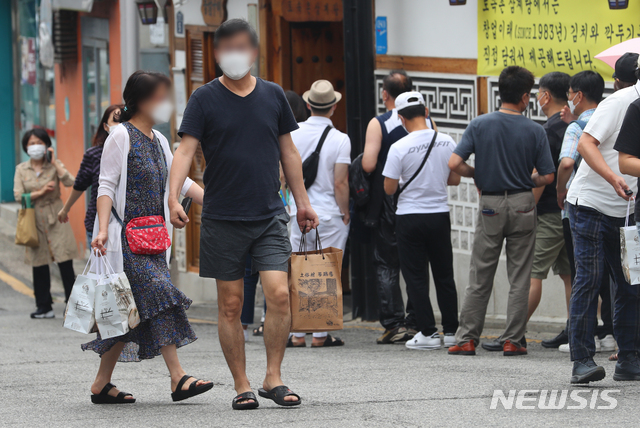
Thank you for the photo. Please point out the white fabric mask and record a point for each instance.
(110, 128)
(541, 105)
(235, 65)
(162, 112)
(37, 151)
(572, 106)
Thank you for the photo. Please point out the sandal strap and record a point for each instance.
(245, 396)
(182, 381)
(283, 391)
(108, 387)
(194, 384)
(122, 395)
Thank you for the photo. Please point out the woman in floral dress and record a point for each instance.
(134, 181)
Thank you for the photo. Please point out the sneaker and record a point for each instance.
(586, 370)
(556, 342)
(246, 335)
(411, 332)
(468, 348)
(422, 342)
(396, 335)
(513, 348)
(449, 340)
(565, 348)
(608, 343)
(43, 313)
(627, 368)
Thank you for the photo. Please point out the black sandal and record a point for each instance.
(290, 343)
(194, 389)
(259, 331)
(330, 341)
(105, 398)
(240, 401)
(278, 394)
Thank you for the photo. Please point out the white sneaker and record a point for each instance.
(449, 340)
(565, 348)
(608, 343)
(246, 335)
(420, 341)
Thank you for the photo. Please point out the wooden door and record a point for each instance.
(201, 68)
(317, 52)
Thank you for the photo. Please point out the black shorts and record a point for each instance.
(225, 244)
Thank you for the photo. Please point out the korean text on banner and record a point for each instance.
(551, 35)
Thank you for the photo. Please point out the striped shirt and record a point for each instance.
(88, 175)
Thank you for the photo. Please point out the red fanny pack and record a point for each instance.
(146, 235)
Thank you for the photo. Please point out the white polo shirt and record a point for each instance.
(427, 193)
(588, 188)
(336, 150)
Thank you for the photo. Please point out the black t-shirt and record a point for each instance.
(239, 137)
(555, 129)
(629, 137)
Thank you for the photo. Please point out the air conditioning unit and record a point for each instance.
(77, 5)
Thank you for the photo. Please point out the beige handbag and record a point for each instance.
(26, 232)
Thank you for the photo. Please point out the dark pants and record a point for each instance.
(250, 287)
(596, 242)
(425, 239)
(387, 272)
(605, 287)
(42, 283)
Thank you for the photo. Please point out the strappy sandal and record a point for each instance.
(290, 343)
(240, 401)
(259, 331)
(278, 395)
(194, 389)
(105, 398)
(330, 341)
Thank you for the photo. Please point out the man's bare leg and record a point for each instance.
(230, 298)
(535, 293)
(567, 289)
(276, 326)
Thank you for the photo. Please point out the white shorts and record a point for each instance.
(333, 233)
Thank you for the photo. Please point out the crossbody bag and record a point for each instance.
(424, 161)
(310, 164)
(148, 235)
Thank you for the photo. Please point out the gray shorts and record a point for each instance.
(225, 244)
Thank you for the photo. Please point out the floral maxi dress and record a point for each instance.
(160, 304)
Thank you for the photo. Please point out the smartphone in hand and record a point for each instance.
(47, 155)
(186, 204)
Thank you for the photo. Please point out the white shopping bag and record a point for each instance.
(630, 250)
(79, 315)
(116, 311)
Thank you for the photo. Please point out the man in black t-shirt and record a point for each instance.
(628, 144)
(243, 124)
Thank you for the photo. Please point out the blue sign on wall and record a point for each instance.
(179, 23)
(381, 35)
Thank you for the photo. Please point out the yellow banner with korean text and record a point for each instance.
(552, 35)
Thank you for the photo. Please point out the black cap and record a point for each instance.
(626, 67)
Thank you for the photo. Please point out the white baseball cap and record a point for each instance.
(409, 99)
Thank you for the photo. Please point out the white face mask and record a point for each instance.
(110, 128)
(573, 106)
(162, 112)
(37, 151)
(235, 65)
(541, 105)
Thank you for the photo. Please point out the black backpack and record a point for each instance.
(310, 164)
(358, 182)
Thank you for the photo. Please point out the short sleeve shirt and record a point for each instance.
(589, 188)
(240, 143)
(335, 150)
(507, 148)
(555, 129)
(571, 139)
(629, 138)
(427, 193)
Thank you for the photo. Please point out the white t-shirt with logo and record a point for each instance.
(427, 193)
(336, 149)
(588, 188)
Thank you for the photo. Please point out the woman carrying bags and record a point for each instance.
(133, 185)
(40, 178)
(89, 172)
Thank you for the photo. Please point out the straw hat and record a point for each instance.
(321, 95)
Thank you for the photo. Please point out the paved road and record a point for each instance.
(45, 380)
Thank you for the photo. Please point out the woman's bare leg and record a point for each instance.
(107, 364)
(170, 355)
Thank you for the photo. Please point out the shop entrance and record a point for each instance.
(95, 73)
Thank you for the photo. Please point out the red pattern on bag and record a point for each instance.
(148, 235)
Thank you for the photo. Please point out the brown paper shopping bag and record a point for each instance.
(315, 289)
(26, 231)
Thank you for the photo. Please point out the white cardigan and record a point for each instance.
(113, 183)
